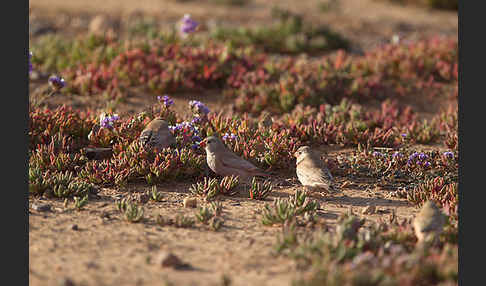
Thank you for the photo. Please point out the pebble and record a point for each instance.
(41, 207)
(66, 282)
(168, 259)
(190, 202)
(74, 227)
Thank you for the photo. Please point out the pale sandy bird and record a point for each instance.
(226, 163)
(311, 171)
(429, 222)
(157, 135)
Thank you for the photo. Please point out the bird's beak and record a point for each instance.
(202, 144)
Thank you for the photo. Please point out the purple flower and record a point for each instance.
(57, 82)
(404, 135)
(413, 156)
(196, 120)
(397, 154)
(196, 138)
(198, 106)
(375, 154)
(427, 164)
(186, 126)
(422, 156)
(449, 154)
(188, 25)
(30, 63)
(107, 121)
(166, 99)
(195, 146)
(229, 136)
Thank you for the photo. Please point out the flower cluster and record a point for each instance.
(378, 154)
(196, 120)
(56, 82)
(166, 100)
(198, 107)
(108, 121)
(188, 25)
(419, 159)
(186, 133)
(229, 136)
(397, 155)
(449, 155)
(30, 62)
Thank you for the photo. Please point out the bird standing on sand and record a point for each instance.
(428, 223)
(311, 171)
(157, 135)
(226, 163)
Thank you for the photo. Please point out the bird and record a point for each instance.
(428, 223)
(157, 135)
(311, 171)
(226, 163)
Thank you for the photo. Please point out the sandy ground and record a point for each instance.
(107, 250)
(366, 23)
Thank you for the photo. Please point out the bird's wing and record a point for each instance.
(146, 136)
(170, 139)
(316, 171)
(231, 160)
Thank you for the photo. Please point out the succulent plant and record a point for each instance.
(259, 191)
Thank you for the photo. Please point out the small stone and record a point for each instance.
(66, 282)
(41, 207)
(167, 259)
(74, 227)
(369, 210)
(92, 265)
(190, 202)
